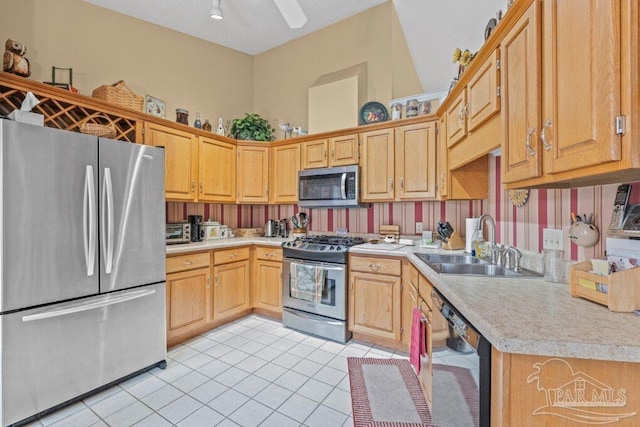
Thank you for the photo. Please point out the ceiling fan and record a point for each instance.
(290, 10)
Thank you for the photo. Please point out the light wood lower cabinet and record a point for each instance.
(374, 297)
(267, 279)
(231, 277)
(188, 293)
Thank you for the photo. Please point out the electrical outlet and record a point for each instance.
(418, 228)
(552, 239)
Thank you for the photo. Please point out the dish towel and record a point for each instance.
(306, 282)
(416, 341)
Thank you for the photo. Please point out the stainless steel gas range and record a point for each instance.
(314, 285)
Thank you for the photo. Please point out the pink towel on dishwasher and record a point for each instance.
(416, 341)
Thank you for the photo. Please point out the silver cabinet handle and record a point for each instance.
(187, 262)
(325, 154)
(374, 266)
(333, 154)
(217, 281)
(467, 109)
(193, 186)
(89, 214)
(461, 114)
(402, 183)
(201, 188)
(106, 231)
(543, 135)
(208, 282)
(528, 142)
(391, 183)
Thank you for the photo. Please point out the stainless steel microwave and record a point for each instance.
(329, 187)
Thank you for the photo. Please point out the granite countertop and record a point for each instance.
(521, 316)
(533, 316)
(224, 243)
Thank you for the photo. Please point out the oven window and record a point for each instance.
(328, 292)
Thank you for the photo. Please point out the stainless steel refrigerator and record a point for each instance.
(82, 265)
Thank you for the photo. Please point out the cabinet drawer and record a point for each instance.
(376, 265)
(187, 262)
(230, 255)
(424, 289)
(269, 254)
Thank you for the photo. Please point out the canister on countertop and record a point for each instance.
(211, 230)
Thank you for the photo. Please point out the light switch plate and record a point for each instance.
(552, 239)
(418, 228)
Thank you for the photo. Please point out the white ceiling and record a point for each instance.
(432, 28)
(250, 26)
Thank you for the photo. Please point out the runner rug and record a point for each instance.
(386, 393)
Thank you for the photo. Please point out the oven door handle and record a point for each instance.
(335, 267)
(343, 186)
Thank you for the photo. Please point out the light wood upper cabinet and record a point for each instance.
(285, 164)
(328, 152)
(344, 150)
(415, 162)
(315, 154)
(581, 83)
(253, 174)
(456, 119)
(181, 160)
(520, 67)
(377, 179)
(562, 92)
(217, 171)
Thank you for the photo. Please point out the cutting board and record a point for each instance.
(381, 246)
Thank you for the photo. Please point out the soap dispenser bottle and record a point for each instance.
(477, 244)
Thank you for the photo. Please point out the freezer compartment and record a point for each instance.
(52, 354)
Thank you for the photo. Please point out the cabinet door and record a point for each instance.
(181, 160)
(314, 154)
(344, 150)
(409, 300)
(284, 170)
(268, 285)
(581, 77)
(442, 160)
(217, 171)
(187, 300)
(231, 291)
(415, 168)
(378, 166)
(253, 174)
(456, 120)
(374, 305)
(520, 66)
(482, 94)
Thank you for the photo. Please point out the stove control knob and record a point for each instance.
(331, 248)
(338, 248)
(294, 244)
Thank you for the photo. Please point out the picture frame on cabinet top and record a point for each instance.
(154, 106)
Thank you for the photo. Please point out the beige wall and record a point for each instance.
(103, 47)
(283, 75)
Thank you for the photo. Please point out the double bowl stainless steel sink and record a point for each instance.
(468, 265)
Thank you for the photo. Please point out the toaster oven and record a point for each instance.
(178, 232)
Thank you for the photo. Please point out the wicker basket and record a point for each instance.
(91, 127)
(120, 94)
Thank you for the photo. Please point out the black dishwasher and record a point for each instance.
(461, 392)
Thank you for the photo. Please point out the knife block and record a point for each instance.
(454, 242)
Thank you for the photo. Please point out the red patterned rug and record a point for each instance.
(386, 393)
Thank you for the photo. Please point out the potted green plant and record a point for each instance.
(252, 127)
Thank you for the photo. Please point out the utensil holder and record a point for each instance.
(454, 242)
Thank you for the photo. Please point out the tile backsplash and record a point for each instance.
(520, 227)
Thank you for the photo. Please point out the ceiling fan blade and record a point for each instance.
(292, 13)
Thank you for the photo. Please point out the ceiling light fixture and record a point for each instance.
(216, 10)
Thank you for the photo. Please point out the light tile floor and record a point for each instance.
(252, 372)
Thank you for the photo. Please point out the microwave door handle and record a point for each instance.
(343, 186)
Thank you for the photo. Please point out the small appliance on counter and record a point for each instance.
(271, 228)
(196, 228)
(177, 232)
(210, 230)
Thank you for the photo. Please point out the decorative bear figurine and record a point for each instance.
(13, 60)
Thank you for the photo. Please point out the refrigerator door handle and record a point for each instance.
(89, 230)
(107, 230)
(104, 301)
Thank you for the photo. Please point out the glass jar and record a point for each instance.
(182, 116)
(197, 123)
(412, 108)
(206, 126)
(396, 111)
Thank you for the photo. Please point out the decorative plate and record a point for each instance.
(154, 106)
(373, 112)
(519, 197)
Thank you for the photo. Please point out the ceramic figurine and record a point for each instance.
(220, 130)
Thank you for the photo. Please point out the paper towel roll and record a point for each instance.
(470, 226)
